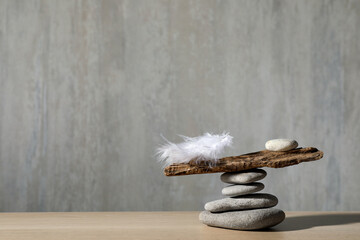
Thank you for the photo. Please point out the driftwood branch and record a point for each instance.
(247, 161)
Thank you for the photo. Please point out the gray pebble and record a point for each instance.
(251, 201)
(244, 220)
(237, 190)
(281, 144)
(243, 177)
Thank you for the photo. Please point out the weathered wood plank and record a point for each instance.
(246, 161)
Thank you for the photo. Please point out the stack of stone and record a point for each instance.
(244, 208)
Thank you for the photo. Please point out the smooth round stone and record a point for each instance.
(251, 201)
(244, 220)
(281, 144)
(243, 177)
(238, 190)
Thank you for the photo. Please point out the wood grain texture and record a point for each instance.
(178, 225)
(247, 161)
(87, 87)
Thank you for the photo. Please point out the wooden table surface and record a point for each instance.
(170, 225)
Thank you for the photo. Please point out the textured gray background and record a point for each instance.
(87, 87)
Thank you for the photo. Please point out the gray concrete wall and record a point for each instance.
(87, 87)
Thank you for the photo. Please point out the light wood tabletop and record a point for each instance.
(170, 225)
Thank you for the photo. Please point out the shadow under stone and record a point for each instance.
(305, 222)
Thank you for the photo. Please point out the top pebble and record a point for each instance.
(281, 145)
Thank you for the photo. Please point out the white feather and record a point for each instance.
(206, 147)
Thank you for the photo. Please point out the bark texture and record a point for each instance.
(246, 161)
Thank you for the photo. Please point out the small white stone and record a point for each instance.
(243, 177)
(238, 190)
(281, 144)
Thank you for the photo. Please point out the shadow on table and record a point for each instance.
(306, 222)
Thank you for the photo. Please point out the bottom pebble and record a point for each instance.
(244, 220)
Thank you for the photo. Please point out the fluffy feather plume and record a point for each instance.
(205, 147)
